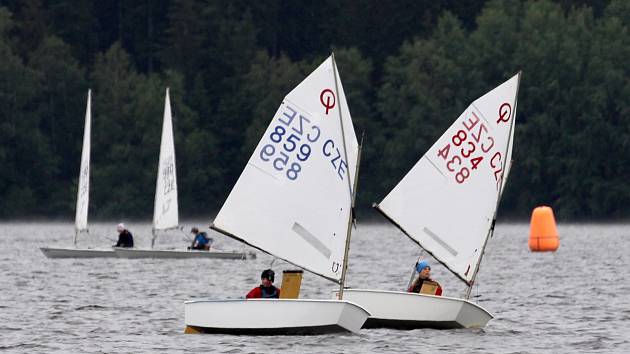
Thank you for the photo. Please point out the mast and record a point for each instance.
(501, 186)
(350, 187)
(350, 219)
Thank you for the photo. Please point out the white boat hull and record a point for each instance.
(77, 253)
(179, 254)
(403, 310)
(273, 316)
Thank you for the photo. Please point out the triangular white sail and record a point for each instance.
(447, 202)
(165, 213)
(293, 198)
(83, 191)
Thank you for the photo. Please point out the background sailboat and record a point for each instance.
(165, 211)
(447, 204)
(293, 200)
(83, 201)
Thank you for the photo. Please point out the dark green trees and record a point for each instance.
(408, 67)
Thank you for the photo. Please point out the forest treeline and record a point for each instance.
(408, 68)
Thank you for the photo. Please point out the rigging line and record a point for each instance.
(350, 221)
(413, 273)
(106, 237)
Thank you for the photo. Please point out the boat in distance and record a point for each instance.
(52, 252)
(83, 199)
(131, 253)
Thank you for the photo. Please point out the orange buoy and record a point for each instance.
(543, 235)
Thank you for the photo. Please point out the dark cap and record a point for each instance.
(268, 274)
(194, 230)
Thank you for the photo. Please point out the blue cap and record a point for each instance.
(420, 266)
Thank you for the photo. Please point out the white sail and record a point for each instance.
(293, 198)
(447, 202)
(83, 191)
(165, 213)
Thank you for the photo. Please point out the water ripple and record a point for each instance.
(111, 305)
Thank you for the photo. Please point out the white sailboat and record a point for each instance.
(293, 200)
(83, 199)
(165, 211)
(447, 204)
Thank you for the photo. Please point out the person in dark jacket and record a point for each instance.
(265, 290)
(125, 238)
(424, 275)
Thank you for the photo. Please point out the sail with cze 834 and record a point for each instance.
(447, 202)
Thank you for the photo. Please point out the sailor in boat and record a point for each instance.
(201, 242)
(266, 290)
(125, 238)
(423, 284)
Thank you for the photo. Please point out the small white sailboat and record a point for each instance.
(447, 204)
(83, 200)
(293, 200)
(165, 211)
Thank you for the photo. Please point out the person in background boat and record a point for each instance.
(201, 241)
(265, 290)
(125, 238)
(424, 274)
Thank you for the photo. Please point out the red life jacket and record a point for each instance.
(259, 292)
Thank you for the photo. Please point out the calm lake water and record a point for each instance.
(576, 300)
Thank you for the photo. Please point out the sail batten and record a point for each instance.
(83, 190)
(165, 212)
(243, 240)
(402, 229)
(292, 200)
(447, 202)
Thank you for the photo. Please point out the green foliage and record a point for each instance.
(356, 72)
(408, 68)
(5, 23)
(63, 88)
(28, 165)
(425, 88)
(267, 82)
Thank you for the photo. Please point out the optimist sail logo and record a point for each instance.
(327, 98)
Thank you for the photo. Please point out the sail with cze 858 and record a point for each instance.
(293, 200)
